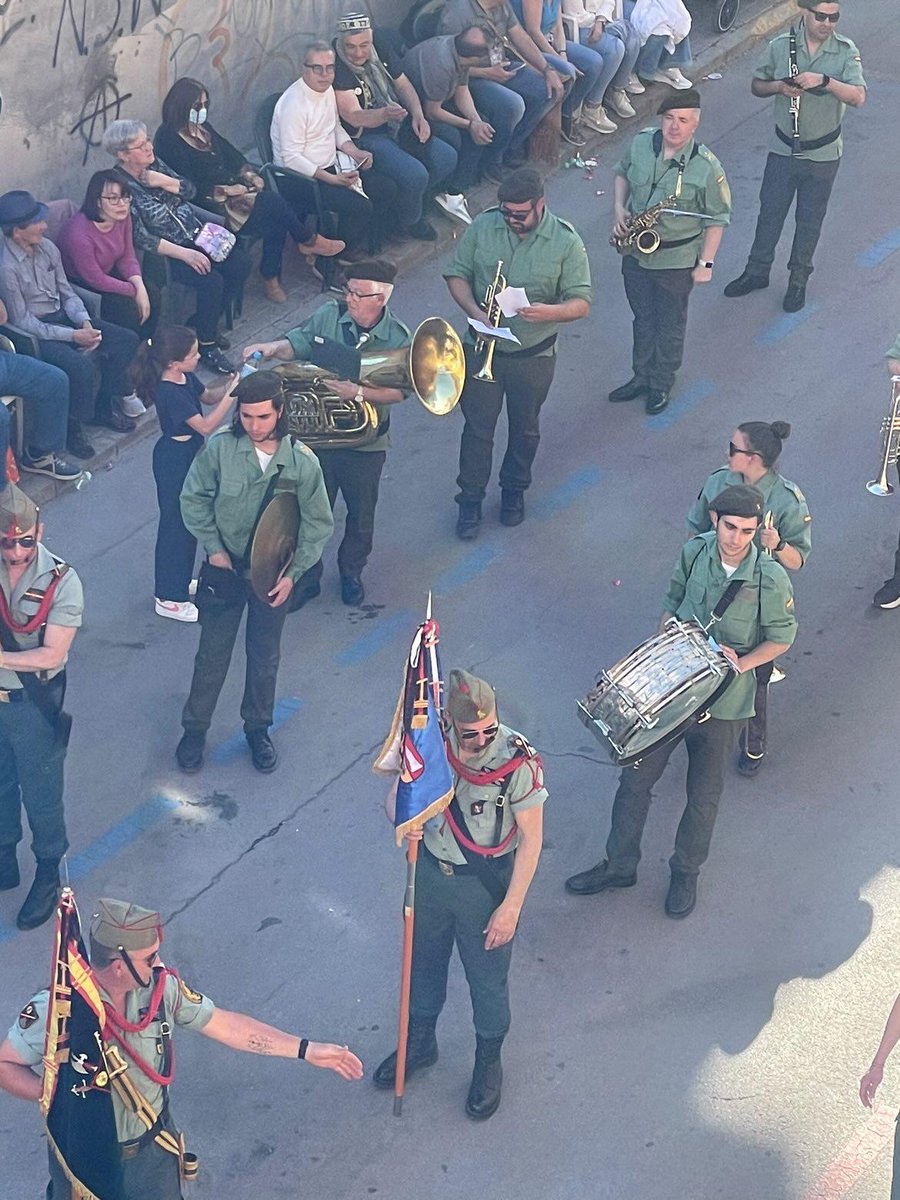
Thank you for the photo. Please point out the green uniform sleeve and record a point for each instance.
(462, 265)
(27, 1034)
(776, 604)
(794, 525)
(678, 583)
(717, 194)
(316, 520)
(894, 351)
(68, 602)
(853, 72)
(527, 788)
(301, 338)
(765, 68)
(623, 166)
(198, 497)
(698, 519)
(187, 1008)
(575, 273)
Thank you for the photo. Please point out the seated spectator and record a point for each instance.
(229, 186)
(543, 21)
(163, 374)
(165, 224)
(382, 111)
(617, 43)
(307, 137)
(44, 392)
(663, 27)
(507, 94)
(40, 300)
(98, 251)
(439, 70)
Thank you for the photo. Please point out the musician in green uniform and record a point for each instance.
(539, 252)
(721, 579)
(669, 167)
(475, 867)
(753, 454)
(814, 73)
(144, 1002)
(888, 595)
(362, 320)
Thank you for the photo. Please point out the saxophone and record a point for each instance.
(640, 233)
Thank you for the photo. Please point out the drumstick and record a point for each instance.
(767, 524)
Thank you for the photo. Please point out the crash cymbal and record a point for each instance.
(274, 543)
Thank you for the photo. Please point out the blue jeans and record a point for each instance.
(619, 47)
(45, 392)
(415, 168)
(592, 82)
(531, 87)
(469, 155)
(4, 445)
(503, 108)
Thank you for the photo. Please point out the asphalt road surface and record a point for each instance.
(718, 1057)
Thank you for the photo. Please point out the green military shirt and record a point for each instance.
(66, 609)
(652, 178)
(225, 488)
(894, 351)
(186, 1008)
(820, 112)
(550, 263)
(333, 321)
(785, 501)
(526, 790)
(762, 611)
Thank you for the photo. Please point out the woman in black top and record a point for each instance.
(163, 374)
(227, 184)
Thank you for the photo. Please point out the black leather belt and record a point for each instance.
(813, 143)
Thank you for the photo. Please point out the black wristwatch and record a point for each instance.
(781, 545)
(709, 264)
(826, 79)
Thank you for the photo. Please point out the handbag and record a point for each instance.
(214, 240)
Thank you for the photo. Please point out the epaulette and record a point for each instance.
(302, 447)
(567, 225)
(794, 490)
(705, 152)
(517, 742)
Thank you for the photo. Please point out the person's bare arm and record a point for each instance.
(16, 1077)
(49, 657)
(505, 917)
(240, 1032)
(870, 1081)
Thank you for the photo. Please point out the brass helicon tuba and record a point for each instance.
(890, 443)
(432, 365)
(486, 345)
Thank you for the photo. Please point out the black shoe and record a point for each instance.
(40, 903)
(262, 752)
(746, 283)
(302, 595)
(512, 506)
(682, 895)
(483, 1099)
(888, 595)
(9, 869)
(211, 356)
(352, 591)
(748, 764)
(112, 418)
(77, 443)
(223, 341)
(469, 519)
(421, 1052)
(52, 465)
(421, 231)
(189, 751)
(598, 879)
(571, 133)
(656, 401)
(794, 297)
(628, 391)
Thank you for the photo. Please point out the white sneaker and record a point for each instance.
(454, 206)
(617, 100)
(634, 87)
(132, 406)
(671, 76)
(192, 588)
(594, 116)
(177, 610)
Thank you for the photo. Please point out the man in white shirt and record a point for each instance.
(307, 137)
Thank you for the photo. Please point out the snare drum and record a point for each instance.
(649, 698)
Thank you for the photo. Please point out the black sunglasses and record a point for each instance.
(733, 449)
(512, 214)
(469, 735)
(27, 542)
(823, 17)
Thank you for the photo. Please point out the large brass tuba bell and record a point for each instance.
(432, 365)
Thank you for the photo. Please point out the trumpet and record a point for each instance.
(890, 442)
(495, 316)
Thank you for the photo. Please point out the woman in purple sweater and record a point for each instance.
(97, 251)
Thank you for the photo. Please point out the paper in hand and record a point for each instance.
(512, 300)
(491, 331)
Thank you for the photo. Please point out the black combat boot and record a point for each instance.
(9, 869)
(483, 1099)
(421, 1051)
(512, 506)
(40, 903)
(469, 519)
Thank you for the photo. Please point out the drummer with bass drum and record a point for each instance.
(753, 454)
(721, 579)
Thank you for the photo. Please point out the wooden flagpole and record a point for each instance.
(409, 908)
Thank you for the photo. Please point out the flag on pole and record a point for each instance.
(414, 748)
(76, 1101)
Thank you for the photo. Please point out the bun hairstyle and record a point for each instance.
(765, 439)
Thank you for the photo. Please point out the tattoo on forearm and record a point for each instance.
(260, 1043)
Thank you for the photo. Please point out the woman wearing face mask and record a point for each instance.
(227, 184)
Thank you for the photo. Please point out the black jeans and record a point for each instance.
(659, 302)
(31, 777)
(273, 219)
(753, 739)
(176, 547)
(356, 475)
(361, 220)
(224, 282)
(784, 178)
(153, 1174)
(110, 360)
(455, 910)
(709, 748)
(525, 383)
(218, 632)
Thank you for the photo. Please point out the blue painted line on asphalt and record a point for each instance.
(565, 494)
(466, 570)
(236, 746)
(875, 255)
(682, 403)
(779, 329)
(381, 635)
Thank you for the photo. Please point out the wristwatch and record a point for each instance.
(709, 264)
(781, 545)
(359, 397)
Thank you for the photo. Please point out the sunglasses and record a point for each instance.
(733, 450)
(821, 17)
(469, 735)
(514, 214)
(27, 542)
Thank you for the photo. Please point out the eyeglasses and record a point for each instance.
(733, 450)
(821, 17)
(348, 292)
(27, 542)
(319, 69)
(115, 199)
(515, 214)
(469, 735)
(146, 144)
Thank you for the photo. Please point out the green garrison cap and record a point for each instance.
(120, 924)
(739, 500)
(18, 512)
(470, 698)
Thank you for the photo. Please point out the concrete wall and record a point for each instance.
(69, 67)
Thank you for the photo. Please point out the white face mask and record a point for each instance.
(198, 116)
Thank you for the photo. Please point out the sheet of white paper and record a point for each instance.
(512, 300)
(504, 334)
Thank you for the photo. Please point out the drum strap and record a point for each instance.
(725, 599)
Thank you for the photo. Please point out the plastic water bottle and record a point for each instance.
(251, 365)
